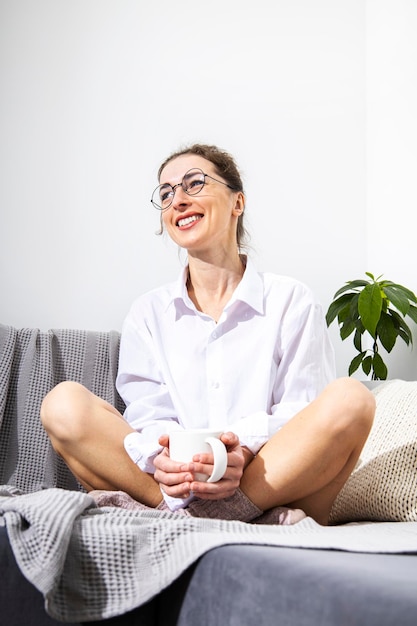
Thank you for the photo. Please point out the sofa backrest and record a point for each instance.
(31, 364)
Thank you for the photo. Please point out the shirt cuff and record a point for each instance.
(141, 452)
(175, 504)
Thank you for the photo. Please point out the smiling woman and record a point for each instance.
(209, 216)
(224, 167)
(227, 348)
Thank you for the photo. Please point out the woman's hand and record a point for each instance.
(174, 478)
(177, 479)
(236, 463)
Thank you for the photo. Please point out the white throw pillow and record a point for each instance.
(383, 486)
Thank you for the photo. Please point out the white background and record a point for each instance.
(316, 99)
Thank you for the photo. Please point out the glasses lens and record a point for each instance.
(193, 182)
(162, 196)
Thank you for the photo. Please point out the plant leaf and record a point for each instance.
(404, 336)
(398, 298)
(357, 340)
(367, 364)
(402, 327)
(379, 367)
(344, 315)
(347, 329)
(350, 286)
(355, 363)
(353, 307)
(370, 306)
(337, 306)
(407, 292)
(387, 331)
(413, 313)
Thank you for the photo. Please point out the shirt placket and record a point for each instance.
(215, 380)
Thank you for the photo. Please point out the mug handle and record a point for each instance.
(220, 459)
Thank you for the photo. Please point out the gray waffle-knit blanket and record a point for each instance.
(31, 363)
(92, 563)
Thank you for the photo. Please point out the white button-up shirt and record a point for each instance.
(268, 356)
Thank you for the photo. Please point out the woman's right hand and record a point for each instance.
(174, 477)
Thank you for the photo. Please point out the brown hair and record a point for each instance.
(225, 166)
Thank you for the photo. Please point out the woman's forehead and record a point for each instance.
(174, 170)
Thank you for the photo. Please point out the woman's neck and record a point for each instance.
(211, 285)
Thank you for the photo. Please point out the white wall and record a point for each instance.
(391, 134)
(95, 93)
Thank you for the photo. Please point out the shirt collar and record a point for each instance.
(249, 290)
(179, 294)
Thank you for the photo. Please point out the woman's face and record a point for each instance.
(205, 222)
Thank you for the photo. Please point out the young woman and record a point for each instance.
(223, 347)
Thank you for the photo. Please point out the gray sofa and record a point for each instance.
(57, 549)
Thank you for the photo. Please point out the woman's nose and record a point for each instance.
(181, 198)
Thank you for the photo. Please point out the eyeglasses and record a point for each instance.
(192, 183)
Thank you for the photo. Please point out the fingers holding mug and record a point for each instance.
(184, 445)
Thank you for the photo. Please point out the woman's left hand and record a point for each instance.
(236, 463)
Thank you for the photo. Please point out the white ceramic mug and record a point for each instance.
(184, 444)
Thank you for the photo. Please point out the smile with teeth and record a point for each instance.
(188, 220)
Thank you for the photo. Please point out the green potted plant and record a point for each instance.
(377, 307)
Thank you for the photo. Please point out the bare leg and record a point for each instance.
(306, 463)
(88, 433)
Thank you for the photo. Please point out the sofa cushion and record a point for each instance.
(383, 486)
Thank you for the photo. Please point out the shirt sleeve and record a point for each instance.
(149, 409)
(305, 367)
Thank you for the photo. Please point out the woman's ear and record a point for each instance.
(240, 204)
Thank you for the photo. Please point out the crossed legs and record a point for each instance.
(304, 465)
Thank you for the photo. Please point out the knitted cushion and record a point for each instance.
(383, 486)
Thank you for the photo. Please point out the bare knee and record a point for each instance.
(63, 410)
(352, 405)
